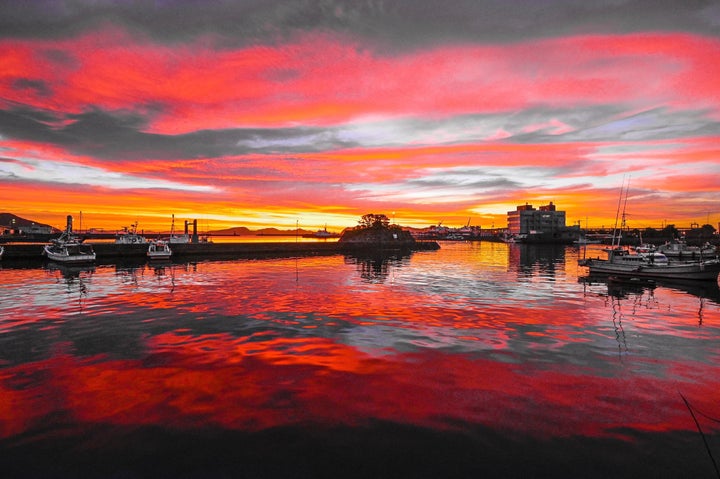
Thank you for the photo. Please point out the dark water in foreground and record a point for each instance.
(478, 360)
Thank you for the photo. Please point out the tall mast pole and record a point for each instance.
(617, 213)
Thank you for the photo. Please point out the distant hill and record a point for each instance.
(243, 231)
(236, 231)
(277, 232)
(6, 219)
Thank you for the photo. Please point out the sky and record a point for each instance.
(281, 113)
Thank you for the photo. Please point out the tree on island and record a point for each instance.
(373, 221)
(375, 231)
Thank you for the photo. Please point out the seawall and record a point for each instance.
(109, 251)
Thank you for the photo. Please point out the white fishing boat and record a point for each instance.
(621, 262)
(179, 239)
(176, 238)
(582, 240)
(68, 249)
(130, 236)
(159, 249)
(645, 248)
(322, 234)
(681, 250)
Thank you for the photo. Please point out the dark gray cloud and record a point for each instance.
(653, 124)
(120, 136)
(397, 23)
(465, 178)
(610, 123)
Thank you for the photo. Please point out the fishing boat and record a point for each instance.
(621, 262)
(651, 265)
(645, 248)
(159, 249)
(130, 236)
(2, 250)
(322, 234)
(68, 249)
(176, 238)
(583, 239)
(681, 250)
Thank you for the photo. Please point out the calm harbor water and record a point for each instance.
(480, 359)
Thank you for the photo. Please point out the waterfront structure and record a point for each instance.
(543, 225)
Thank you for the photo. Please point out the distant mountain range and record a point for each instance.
(6, 220)
(243, 231)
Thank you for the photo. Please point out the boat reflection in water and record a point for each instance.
(75, 276)
(480, 359)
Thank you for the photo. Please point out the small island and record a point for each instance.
(374, 232)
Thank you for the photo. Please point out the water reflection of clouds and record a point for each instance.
(237, 385)
(457, 343)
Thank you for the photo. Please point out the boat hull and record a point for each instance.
(708, 270)
(64, 257)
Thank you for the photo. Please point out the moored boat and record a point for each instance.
(645, 248)
(582, 240)
(68, 248)
(322, 234)
(651, 265)
(159, 249)
(130, 236)
(179, 239)
(681, 250)
(176, 238)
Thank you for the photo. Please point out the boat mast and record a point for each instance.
(623, 224)
(617, 213)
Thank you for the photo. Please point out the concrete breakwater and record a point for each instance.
(212, 250)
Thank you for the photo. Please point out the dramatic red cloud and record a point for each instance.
(320, 80)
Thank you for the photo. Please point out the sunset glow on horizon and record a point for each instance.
(311, 114)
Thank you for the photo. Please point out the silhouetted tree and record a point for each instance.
(372, 220)
(670, 231)
(649, 233)
(705, 232)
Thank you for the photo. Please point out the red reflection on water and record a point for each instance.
(238, 383)
(333, 349)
